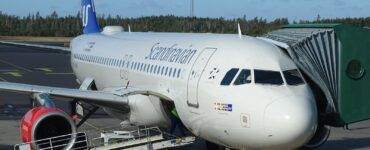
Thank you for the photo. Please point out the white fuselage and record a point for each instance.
(188, 69)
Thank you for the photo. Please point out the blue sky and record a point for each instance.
(269, 9)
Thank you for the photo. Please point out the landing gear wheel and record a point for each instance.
(321, 136)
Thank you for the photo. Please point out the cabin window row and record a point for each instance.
(133, 65)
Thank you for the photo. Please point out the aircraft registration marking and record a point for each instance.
(223, 107)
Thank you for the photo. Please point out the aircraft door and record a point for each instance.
(196, 74)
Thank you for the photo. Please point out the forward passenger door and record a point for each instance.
(196, 73)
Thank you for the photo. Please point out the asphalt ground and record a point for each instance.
(39, 67)
(52, 68)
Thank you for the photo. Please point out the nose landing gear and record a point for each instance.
(321, 136)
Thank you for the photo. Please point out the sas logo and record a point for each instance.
(85, 13)
(223, 107)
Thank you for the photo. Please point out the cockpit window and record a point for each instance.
(268, 77)
(244, 77)
(229, 76)
(293, 77)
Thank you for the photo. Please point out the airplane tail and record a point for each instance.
(89, 21)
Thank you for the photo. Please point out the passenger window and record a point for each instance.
(244, 77)
(178, 73)
(165, 73)
(174, 72)
(162, 70)
(229, 76)
(268, 77)
(293, 77)
(170, 72)
(159, 69)
(155, 69)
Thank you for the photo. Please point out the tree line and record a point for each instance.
(70, 26)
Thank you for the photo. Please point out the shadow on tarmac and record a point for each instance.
(351, 143)
(6, 146)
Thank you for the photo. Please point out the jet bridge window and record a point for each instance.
(293, 77)
(244, 77)
(229, 76)
(268, 77)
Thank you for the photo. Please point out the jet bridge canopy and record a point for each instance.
(337, 58)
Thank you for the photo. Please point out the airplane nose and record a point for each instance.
(290, 122)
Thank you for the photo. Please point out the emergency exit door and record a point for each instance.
(196, 73)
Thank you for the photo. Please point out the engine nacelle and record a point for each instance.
(147, 110)
(43, 122)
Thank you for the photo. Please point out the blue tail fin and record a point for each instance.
(89, 21)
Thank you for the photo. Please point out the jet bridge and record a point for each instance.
(336, 58)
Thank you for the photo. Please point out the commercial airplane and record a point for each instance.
(235, 91)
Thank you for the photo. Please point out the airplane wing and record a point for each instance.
(65, 49)
(102, 98)
(97, 97)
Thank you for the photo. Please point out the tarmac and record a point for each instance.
(52, 68)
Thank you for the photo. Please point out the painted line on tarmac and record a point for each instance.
(8, 70)
(45, 69)
(15, 66)
(60, 73)
(14, 74)
(2, 79)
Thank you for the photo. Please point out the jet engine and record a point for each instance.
(42, 123)
(147, 110)
(143, 110)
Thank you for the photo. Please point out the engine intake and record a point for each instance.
(43, 126)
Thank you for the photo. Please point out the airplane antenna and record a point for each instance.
(129, 29)
(239, 31)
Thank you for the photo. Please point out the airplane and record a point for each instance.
(239, 92)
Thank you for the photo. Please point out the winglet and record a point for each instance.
(239, 31)
(89, 21)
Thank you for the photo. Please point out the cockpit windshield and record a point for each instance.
(244, 77)
(293, 77)
(268, 77)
